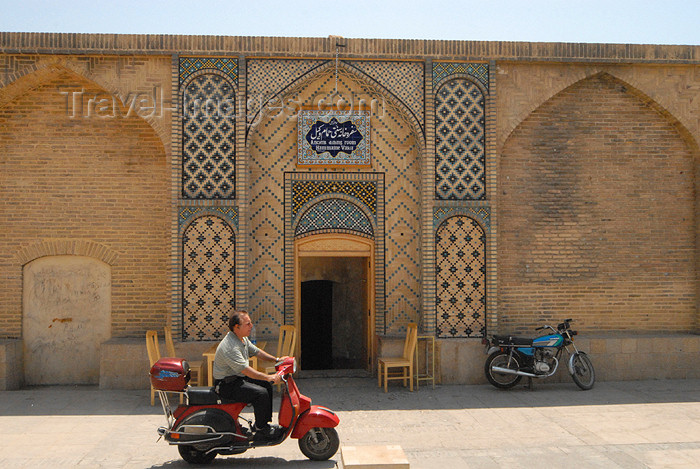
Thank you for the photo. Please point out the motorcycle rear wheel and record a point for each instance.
(502, 380)
(326, 445)
(584, 374)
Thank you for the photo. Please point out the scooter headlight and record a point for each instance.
(294, 367)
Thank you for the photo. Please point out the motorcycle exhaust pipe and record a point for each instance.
(508, 371)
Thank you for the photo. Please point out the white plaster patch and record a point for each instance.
(67, 310)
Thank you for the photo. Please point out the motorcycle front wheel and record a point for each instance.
(502, 380)
(584, 374)
(319, 444)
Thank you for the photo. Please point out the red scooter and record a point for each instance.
(207, 425)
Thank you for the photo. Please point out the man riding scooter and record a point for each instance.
(236, 380)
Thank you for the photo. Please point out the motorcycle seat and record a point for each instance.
(202, 395)
(205, 395)
(510, 340)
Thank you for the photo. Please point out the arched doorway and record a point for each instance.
(333, 301)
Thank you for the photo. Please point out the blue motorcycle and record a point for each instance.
(510, 358)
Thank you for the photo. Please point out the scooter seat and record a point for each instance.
(510, 340)
(202, 395)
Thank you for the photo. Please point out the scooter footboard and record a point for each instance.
(316, 416)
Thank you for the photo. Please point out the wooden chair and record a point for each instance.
(196, 373)
(404, 362)
(286, 342)
(153, 355)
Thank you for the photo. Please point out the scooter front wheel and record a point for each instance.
(319, 444)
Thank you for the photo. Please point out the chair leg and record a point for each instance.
(153, 396)
(379, 374)
(386, 379)
(410, 377)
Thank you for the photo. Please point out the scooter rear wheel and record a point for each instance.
(194, 456)
(319, 444)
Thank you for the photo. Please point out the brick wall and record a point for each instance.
(96, 179)
(596, 205)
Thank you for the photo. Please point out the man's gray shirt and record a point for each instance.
(232, 356)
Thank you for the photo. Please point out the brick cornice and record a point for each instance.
(148, 44)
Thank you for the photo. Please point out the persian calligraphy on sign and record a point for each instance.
(334, 138)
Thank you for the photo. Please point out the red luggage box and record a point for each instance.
(170, 374)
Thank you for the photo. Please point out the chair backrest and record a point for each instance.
(286, 341)
(409, 346)
(169, 345)
(152, 346)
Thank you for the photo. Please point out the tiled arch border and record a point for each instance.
(353, 200)
(290, 222)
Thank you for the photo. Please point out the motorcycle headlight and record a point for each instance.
(294, 367)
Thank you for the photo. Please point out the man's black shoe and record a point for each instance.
(268, 432)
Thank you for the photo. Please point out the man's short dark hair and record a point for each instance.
(235, 319)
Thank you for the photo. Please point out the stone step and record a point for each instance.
(373, 457)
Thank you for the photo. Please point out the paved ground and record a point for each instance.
(616, 425)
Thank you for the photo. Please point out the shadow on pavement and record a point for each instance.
(362, 394)
(264, 462)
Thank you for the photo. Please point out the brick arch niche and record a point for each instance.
(597, 207)
(81, 177)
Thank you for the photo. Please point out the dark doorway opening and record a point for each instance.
(317, 325)
(333, 312)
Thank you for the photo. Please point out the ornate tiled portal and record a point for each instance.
(461, 274)
(208, 253)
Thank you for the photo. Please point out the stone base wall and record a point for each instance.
(124, 362)
(615, 358)
(11, 365)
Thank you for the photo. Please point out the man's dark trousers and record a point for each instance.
(250, 391)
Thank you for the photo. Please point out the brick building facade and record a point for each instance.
(159, 181)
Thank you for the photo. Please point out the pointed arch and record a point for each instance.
(597, 187)
(361, 79)
(587, 74)
(41, 71)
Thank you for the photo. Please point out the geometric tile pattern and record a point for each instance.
(208, 273)
(190, 65)
(460, 126)
(267, 77)
(208, 139)
(402, 79)
(478, 71)
(365, 191)
(334, 214)
(460, 276)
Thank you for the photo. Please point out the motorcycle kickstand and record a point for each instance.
(529, 384)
